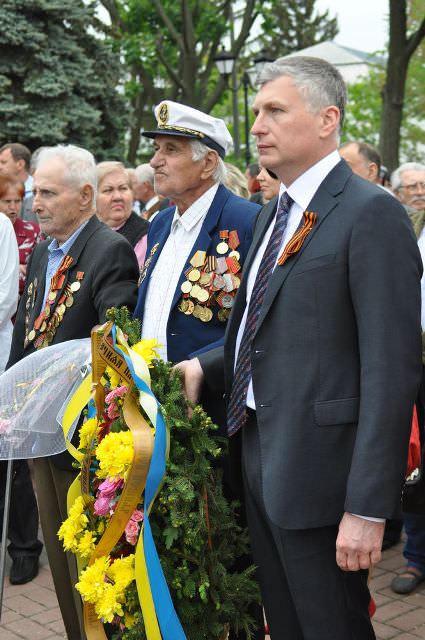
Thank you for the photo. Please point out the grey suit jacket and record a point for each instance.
(336, 361)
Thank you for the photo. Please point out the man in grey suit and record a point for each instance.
(321, 363)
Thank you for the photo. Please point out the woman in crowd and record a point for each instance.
(236, 181)
(114, 204)
(269, 184)
(27, 233)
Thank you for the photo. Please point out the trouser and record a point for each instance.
(52, 486)
(23, 511)
(305, 594)
(414, 549)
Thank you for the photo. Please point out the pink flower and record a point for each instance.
(101, 506)
(110, 486)
(115, 393)
(137, 515)
(113, 411)
(132, 532)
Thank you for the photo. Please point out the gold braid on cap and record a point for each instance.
(169, 127)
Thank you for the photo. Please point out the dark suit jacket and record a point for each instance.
(336, 360)
(110, 270)
(186, 334)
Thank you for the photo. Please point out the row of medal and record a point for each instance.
(212, 281)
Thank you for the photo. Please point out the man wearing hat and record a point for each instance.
(197, 248)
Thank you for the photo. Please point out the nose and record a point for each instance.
(157, 160)
(258, 127)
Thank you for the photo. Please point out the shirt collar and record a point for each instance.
(151, 202)
(65, 247)
(196, 212)
(305, 186)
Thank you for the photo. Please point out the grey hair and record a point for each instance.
(80, 165)
(144, 173)
(407, 166)
(320, 83)
(110, 166)
(200, 150)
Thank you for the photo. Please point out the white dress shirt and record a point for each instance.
(163, 281)
(421, 245)
(9, 277)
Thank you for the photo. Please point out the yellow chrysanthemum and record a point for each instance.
(115, 454)
(86, 544)
(121, 572)
(114, 378)
(87, 432)
(146, 349)
(68, 534)
(76, 513)
(109, 604)
(92, 580)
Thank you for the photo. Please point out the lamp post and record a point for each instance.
(225, 62)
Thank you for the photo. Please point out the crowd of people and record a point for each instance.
(290, 298)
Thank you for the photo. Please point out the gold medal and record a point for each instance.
(194, 275)
(46, 311)
(197, 311)
(222, 248)
(196, 289)
(69, 301)
(184, 305)
(205, 279)
(186, 286)
(190, 308)
(207, 314)
(61, 310)
(75, 286)
(52, 296)
(31, 335)
(222, 315)
(235, 254)
(203, 295)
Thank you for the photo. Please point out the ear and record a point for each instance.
(86, 196)
(330, 118)
(210, 163)
(372, 171)
(20, 164)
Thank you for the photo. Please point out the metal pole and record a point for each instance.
(245, 82)
(6, 509)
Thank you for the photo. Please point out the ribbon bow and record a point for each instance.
(297, 240)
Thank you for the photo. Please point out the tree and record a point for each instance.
(402, 46)
(169, 48)
(294, 25)
(57, 80)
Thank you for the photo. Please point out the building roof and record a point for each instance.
(339, 55)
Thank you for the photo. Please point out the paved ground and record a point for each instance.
(31, 612)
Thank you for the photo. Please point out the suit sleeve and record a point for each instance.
(212, 363)
(115, 280)
(384, 275)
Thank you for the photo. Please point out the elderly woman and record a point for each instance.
(114, 204)
(27, 233)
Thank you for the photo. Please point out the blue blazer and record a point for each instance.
(187, 335)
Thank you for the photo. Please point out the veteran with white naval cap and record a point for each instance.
(196, 249)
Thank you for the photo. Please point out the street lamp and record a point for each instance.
(225, 62)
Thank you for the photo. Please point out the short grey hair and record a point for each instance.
(407, 166)
(110, 166)
(319, 82)
(80, 165)
(200, 150)
(144, 173)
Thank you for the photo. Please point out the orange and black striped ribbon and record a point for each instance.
(298, 238)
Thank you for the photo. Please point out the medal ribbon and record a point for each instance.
(298, 238)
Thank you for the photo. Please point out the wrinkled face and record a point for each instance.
(288, 134)
(114, 198)
(11, 203)
(412, 189)
(7, 164)
(268, 185)
(357, 162)
(176, 174)
(59, 205)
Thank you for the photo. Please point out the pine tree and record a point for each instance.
(294, 25)
(57, 79)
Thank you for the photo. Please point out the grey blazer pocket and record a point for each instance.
(314, 263)
(333, 412)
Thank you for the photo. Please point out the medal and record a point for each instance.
(218, 282)
(206, 315)
(203, 295)
(186, 286)
(190, 307)
(75, 286)
(234, 240)
(205, 279)
(222, 248)
(227, 301)
(31, 335)
(198, 259)
(69, 301)
(52, 296)
(235, 254)
(194, 275)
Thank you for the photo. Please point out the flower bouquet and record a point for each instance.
(155, 539)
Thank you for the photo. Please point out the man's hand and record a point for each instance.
(193, 377)
(359, 542)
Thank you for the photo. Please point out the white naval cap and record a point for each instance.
(176, 119)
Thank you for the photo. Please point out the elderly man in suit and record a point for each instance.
(321, 363)
(196, 249)
(72, 280)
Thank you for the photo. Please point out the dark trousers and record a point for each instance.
(52, 486)
(305, 594)
(23, 513)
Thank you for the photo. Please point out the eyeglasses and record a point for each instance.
(414, 186)
(10, 202)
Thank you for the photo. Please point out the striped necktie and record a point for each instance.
(236, 411)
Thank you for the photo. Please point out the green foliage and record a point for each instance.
(195, 527)
(58, 80)
(294, 25)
